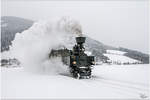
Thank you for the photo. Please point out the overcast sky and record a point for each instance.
(116, 23)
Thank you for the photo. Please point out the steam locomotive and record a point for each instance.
(80, 64)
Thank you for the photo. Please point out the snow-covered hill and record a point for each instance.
(118, 57)
(115, 52)
(107, 82)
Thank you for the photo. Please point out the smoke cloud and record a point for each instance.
(33, 46)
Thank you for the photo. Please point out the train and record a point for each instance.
(80, 64)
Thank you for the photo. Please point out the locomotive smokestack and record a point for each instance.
(80, 40)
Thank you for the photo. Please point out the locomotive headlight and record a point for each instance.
(74, 62)
(93, 62)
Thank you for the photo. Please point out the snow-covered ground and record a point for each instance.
(108, 81)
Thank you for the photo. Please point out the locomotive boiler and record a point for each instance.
(80, 64)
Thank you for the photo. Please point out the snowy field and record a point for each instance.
(108, 81)
(118, 56)
(115, 52)
(121, 58)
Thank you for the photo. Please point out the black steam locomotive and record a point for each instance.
(80, 64)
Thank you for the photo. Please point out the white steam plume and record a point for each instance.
(32, 46)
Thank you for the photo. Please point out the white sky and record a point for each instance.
(116, 23)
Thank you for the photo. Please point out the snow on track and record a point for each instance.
(128, 82)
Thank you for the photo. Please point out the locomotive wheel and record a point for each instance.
(76, 75)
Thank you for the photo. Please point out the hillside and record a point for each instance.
(9, 27)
